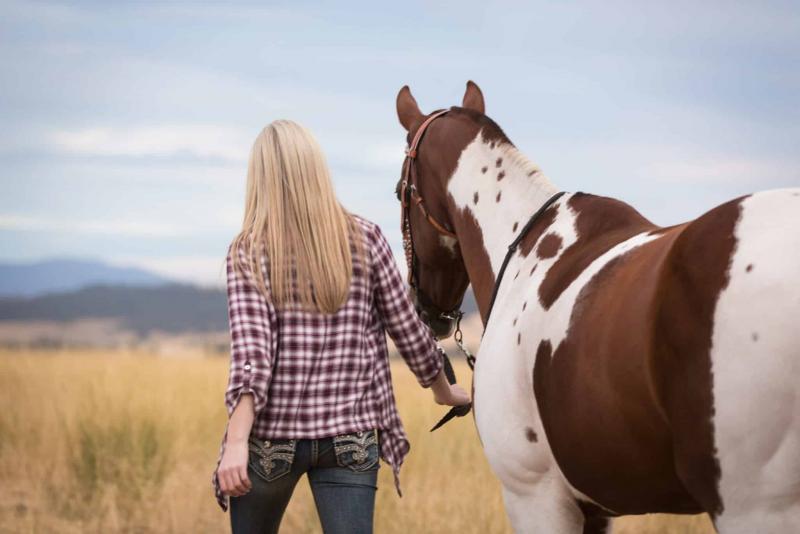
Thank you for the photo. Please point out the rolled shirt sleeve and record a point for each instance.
(412, 337)
(250, 317)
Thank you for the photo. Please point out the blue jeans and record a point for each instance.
(342, 472)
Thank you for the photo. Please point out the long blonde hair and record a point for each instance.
(292, 216)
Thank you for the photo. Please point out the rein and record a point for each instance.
(409, 196)
(512, 248)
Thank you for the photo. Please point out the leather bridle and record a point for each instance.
(443, 322)
(431, 314)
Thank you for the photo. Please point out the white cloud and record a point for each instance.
(723, 170)
(204, 141)
(683, 164)
(118, 227)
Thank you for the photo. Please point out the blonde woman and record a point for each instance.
(311, 290)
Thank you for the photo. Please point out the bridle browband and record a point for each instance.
(408, 194)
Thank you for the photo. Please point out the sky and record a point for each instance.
(126, 126)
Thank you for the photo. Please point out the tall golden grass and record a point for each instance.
(126, 442)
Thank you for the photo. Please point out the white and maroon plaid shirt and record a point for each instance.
(314, 375)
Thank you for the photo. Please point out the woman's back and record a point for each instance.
(312, 291)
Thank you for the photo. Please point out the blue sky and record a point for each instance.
(126, 125)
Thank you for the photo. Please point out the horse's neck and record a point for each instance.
(496, 190)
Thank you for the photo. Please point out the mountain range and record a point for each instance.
(61, 274)
(63, 291)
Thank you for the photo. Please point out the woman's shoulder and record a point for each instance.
(371, 230)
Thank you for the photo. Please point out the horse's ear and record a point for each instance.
(473, 98)
(407, 109)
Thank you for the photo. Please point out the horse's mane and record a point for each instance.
(492, 132)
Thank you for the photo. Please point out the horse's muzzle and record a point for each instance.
(442, 323)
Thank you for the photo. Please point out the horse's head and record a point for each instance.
(437, 273)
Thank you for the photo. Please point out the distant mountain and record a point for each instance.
(140, 309)
(170, 308)
(60, 275)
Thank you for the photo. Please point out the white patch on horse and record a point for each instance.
(756, 393)
(449, 243)
(522, 194)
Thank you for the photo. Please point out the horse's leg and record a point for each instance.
(536, 496)
(757, 426)
(543, 508)
(595, 524)
(595, 519)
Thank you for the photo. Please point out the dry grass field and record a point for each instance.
(126, 442)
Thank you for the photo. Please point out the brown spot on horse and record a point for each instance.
(484, 169)
(530, 435)
(497, 198)
(549, 246)
(501, 175)
(516, 225)
(541, 225)
(749, 268)
(475, 197)
(498, 162)
(601, 224)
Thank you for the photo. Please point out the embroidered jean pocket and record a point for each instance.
(357, 451)
(271, 459)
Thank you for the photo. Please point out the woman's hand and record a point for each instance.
(232, 472)
(446, 393)
(455, 396)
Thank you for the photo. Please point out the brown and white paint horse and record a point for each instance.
(626, 368)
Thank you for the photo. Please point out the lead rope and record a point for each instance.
(458, 337)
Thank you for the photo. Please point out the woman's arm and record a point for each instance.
(232, 472)
(414, 340)
(249, 315)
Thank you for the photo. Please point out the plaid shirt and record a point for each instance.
(314, 375)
